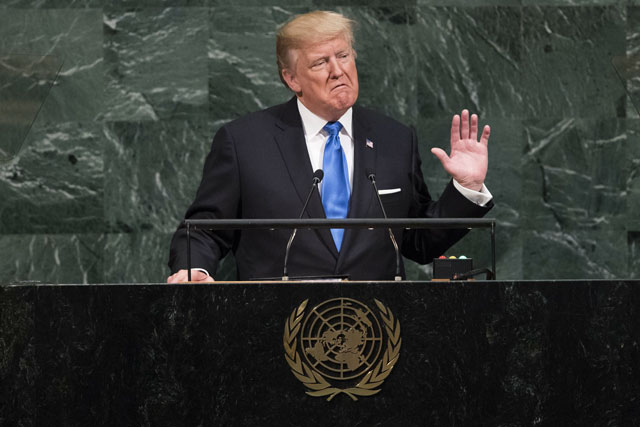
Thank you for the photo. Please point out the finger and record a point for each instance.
(473, 131)
(200, 276)
(197, 275)
(464, 126)
(455, 129)
(180, 276)
(484, 139)
(441, 155)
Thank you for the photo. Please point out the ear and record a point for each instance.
(291, 80)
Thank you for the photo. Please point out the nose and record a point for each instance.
(335, 68)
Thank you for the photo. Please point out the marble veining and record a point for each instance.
(115, 154)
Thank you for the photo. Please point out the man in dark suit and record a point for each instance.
(261, 166)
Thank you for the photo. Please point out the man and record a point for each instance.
(261, 166)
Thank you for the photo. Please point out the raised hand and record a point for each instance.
(469, 158)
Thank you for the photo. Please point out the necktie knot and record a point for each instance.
(333, 128)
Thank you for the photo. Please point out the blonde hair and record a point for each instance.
(307, 29)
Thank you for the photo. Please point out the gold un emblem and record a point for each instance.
(339, 347)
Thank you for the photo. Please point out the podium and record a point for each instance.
(472, 353)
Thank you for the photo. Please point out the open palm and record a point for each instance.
(468, 161)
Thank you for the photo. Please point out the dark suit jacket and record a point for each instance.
(259, 167)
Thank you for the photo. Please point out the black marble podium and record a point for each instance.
(476, 353)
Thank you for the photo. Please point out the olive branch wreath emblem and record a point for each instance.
(316, 384)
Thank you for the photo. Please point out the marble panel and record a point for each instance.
(469, 58)
(509, 254)
(138, 4)
(477, 246)
(633, 179)
(243, 76)
(415, 271)
(387, 65)
(227, 269)
(433, 133)
(633, 240)
(53, 4)
(572, 254)
(504, 181)
(469, 3)
(136, 257)
(630, 67)
(26, 82)
(73, 35)
(155, 63)
(506, 146)
(193, 63)
(13, 136)
(80, 4)
(566, 61)
(575, 174)
(59, 258)
(55, 185)
(142, 258)
(152, 172)
(573, 2)
(262, 3)
(383, 4)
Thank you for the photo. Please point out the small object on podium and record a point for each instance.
(445, 269)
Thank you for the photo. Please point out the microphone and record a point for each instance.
(372, 177)
(317, 178)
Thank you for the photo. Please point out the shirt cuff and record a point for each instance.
(480, 198)
(201, 269)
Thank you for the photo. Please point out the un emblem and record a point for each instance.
(339, 346)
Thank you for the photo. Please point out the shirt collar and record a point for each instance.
(313, 124)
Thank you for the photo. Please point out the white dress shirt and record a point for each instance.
(316, 138)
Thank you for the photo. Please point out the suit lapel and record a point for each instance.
(291, 143)
(364, 158)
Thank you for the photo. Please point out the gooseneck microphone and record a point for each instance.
(372, 177)
(317, 178)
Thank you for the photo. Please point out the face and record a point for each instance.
(324, 77)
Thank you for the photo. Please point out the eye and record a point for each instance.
(343, 55)
(319, 63)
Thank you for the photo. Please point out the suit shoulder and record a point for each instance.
(256, 120)
(383, 124)
(375, 118)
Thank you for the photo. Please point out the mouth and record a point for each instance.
(340, 86)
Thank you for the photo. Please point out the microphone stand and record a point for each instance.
(372, 178)
(317, 177)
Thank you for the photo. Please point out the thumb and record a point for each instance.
(441, 155)
(198, 276)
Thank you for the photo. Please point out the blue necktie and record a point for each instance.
(335, 186)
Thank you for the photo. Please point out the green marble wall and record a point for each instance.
(115, 154)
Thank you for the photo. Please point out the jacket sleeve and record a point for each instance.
(422, 245)
(218, 197)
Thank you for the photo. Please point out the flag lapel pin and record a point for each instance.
(369, 143)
